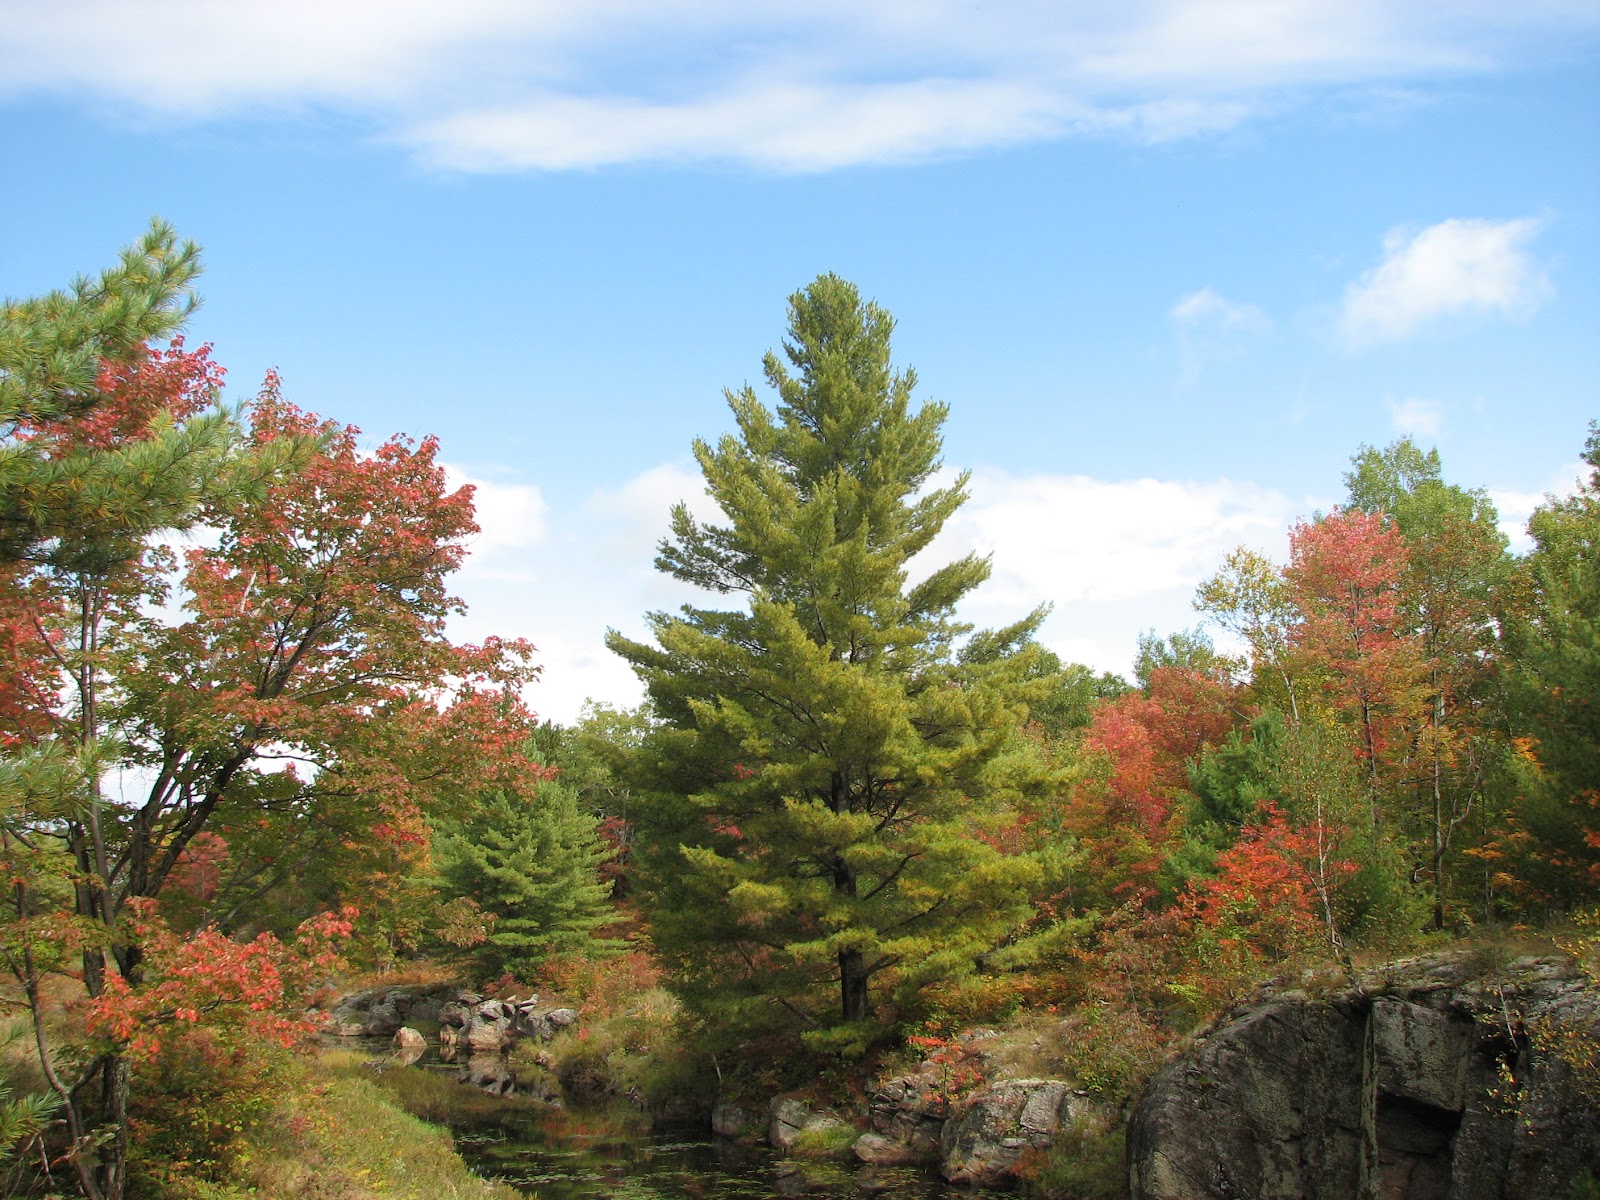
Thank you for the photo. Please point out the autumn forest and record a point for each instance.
(244, 768)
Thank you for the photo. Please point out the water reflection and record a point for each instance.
(595, 1156)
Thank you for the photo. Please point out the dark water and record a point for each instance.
(576, 1156)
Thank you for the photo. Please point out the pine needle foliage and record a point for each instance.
(53, 349)
(530, 859)
(817, 804)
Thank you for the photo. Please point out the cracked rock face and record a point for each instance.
(1418, 1082)
(909, 1110)
(985, 1140)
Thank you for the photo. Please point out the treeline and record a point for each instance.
(842, 816)
(855, 814)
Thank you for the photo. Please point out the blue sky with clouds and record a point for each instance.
(1169, 264)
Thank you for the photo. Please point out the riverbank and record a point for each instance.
(335, 1133)
(1481, 1048)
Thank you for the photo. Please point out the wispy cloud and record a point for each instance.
(1456, 268)
(556, 84)
(1415, 417)
(1515, 507)
(1208, 326)
(1115, 557)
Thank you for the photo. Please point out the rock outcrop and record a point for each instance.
(1422, 1080)
(381, 1012)
(908, 1115)
(790, 1119)
(474, 1032)
(984, 1141)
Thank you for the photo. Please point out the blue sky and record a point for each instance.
(1169, 264)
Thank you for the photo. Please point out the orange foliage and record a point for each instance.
(1124, 813)
(1345, 575)
(210, 977)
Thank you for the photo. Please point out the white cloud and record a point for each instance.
(561, 579)
(1515, 507)
(638, 509)
(511, 517)
(1206, 309)
(800, 127)
(1414, 417)
(1456, 268)
(1115, 558)
(555, 84)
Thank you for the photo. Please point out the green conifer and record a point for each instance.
(531, 860)
(52, 349)
(813, 807)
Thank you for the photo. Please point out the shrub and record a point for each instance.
(193, 1107)
(1082, 1165)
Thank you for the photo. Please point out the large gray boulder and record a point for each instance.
(489, 1029)
(786, 1117)
(454, 1013)
(911, 1109)
(409, 1046)
(425, 1008)
(790, 1120)
(384, 1017)
(1423, 1080)
(984, 1141)
(907, 1115)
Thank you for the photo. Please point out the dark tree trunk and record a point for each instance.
(114, 1085)
(853, 985)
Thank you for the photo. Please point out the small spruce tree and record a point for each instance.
(531, 860)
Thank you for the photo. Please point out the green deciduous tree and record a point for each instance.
(1556, 693)
(828, 761)
(1455, 565)
(313, 632)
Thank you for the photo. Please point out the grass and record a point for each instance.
(1082, 1165)
(346, 1138)
(338, 1135)
(828, 1141)
(633, 1051)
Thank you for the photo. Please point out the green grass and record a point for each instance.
(825, 1142)
(1082, 1165)
(343, 1136)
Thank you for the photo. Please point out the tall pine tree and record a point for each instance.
(815, 801)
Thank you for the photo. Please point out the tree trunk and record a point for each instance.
(853, 973)
(114, 1086)
(853, 985)
(1439, 830)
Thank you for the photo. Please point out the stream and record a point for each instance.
(574, 1155)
